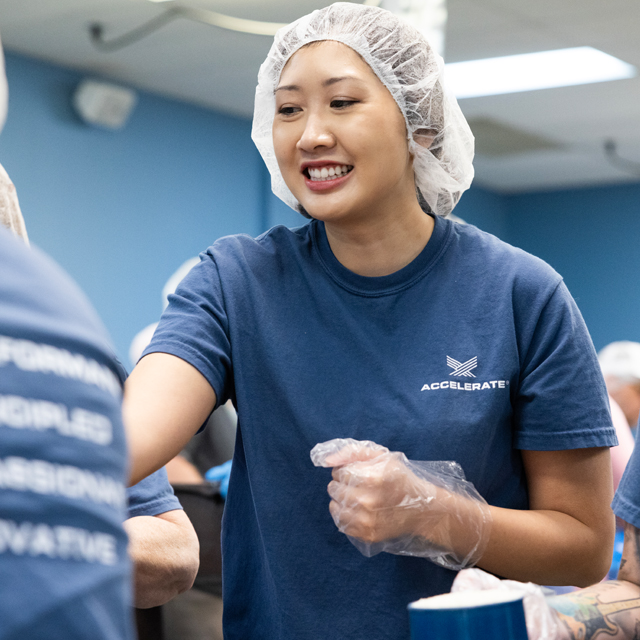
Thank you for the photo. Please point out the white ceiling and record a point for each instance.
(216, 68)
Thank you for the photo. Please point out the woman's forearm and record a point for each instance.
(546, 547)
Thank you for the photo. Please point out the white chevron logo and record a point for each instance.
(462, 368)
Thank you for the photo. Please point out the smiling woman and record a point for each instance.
(393, 339)
(325, 122)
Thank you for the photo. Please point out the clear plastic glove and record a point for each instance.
(384, 502)
(542, 620)
(220, 474)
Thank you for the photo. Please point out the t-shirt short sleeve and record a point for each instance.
(561, 401)
(194, 327)
(152, 496)
(626, 503)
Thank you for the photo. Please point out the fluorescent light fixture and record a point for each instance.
(531, 71)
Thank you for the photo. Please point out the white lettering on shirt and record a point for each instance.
(65, 543)
(47, 478)
(467, 386)
(43, 358)
(40, 415)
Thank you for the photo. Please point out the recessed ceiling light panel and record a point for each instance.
(531, 71)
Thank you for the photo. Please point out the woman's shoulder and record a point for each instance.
(278, 237)
(277, 244)
(510, 262)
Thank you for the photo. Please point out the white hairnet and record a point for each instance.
(406, 64)
(10, 214)
(4, 90)
(621, 360)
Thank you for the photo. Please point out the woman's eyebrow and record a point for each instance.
(326, 83)
(287, 87)
(331, 81)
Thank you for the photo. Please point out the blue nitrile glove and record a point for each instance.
(220, 474)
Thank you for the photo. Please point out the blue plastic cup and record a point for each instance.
(469, 615)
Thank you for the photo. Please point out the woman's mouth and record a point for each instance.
(318, 174)
(326, 177)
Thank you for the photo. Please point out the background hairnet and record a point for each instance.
(621, 360)
(10, 214)
(405, 63)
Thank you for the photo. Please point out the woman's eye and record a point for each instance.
(288, 111)
(341, 104)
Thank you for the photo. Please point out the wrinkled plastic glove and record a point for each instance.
(384, 502)
(542, 620)
(220, 474)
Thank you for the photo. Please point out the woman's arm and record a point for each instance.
(566, 536)
(166, 401)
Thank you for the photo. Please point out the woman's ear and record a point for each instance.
(424, 137)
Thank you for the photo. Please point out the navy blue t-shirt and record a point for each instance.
(151, 496)
(64, 572)
(471, 352)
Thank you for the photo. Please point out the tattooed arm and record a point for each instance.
(609, 610)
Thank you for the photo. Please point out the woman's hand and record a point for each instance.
(380, 498)
(384, 502)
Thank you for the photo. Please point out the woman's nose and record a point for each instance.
(316, 134)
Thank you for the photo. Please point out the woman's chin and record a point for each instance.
(326, 214)
(326, 210)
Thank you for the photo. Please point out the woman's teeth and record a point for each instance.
(329, 173)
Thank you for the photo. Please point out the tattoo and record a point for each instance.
(636, 633)
(630, 562)
(587, 618)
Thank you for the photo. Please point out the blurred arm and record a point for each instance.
(606, 610)
(181, 471)
(620, 455)
(165, 553)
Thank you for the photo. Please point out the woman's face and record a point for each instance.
(339, 137)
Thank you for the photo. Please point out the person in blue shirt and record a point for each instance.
(64, 570)
(54, 577)
(162, 542)
(400, 338)
(61, 589)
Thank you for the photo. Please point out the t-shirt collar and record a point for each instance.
(383, 285)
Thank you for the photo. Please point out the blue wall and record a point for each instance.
(486, 210)
(122, 210)
(591, 237)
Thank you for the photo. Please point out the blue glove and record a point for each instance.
(220, 474)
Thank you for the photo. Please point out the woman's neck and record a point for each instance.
(381, 246)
